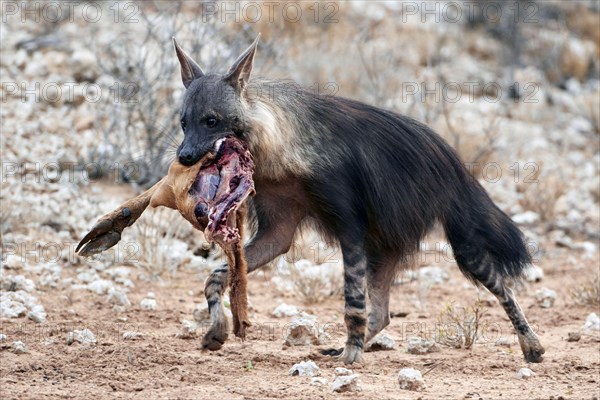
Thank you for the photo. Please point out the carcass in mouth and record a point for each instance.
(222, 184)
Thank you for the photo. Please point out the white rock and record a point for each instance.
(592, 322)
(151, 295)
(37, 314)
(148, 304)
(346, 383)
(188, 329)
(417, 345)
(545, 297)
(13, 261)
(19, 347)
(118, 297)
(100, 286)
(526, 218)
(411, 379)
(504, 342)
(316, 381)
(83, 336)
(341, 371)
(302, 330)
(534, 274)
(284, 310)
(305, 368)
(433, 274)
(17, 282)
(11, 309)
(87, 276)
(132, 335)
(83, 65)
(525, 373)
(2, 337)
(382, 341)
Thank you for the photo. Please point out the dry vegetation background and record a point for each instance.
(89, 116)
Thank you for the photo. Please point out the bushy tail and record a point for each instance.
(483, 237)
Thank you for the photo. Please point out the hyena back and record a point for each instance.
(374, 181)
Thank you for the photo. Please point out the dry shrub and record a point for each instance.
(156, 234)
(459, 326)
(540, 191)
(587, 292)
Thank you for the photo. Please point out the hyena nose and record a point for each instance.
(186, 158)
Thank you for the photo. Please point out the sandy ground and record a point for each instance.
(161, 366)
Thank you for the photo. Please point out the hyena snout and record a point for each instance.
(188, 157)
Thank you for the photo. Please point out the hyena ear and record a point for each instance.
(239, 73)
(190, 70)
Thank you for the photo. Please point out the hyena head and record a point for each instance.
(213, 104)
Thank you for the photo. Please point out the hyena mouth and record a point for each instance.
(222, 184)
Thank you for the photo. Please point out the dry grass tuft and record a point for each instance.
(587, 292)
(458, 327)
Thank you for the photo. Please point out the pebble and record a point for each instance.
(316, 381)
(100, 286)
(525, 373)
(188, 329)
(302, 331)
(305, 368)
(284, 310)
(410, 379)
(81, 336)
(382, 341)
(2, 337)
(417, 345)
(132, 335)
(17, 282)
(118, 297)
(341, 371)
(37, 314)
(592, 322)
(504, 342)
(526, 218)
(148, 304)
(573, 337)
(19, 347)
(346, 383)
(545, 297)
(534, 274)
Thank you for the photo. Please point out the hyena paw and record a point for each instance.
(332, 352)
(215, 337)
(351, 354)
(532, 348)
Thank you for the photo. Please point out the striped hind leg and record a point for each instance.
(355, 311)
(487, 274)
(380, 276)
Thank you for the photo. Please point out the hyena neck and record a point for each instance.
(274, 138)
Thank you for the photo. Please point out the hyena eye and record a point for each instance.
(211, 122)
(183, 125)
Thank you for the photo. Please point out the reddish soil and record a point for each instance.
(162, 366)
